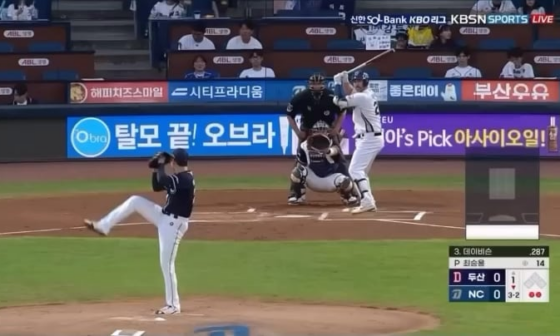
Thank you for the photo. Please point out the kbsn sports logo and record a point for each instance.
(90, 137)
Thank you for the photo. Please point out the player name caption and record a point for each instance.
(485, 277)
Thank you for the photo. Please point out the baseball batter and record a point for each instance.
(171, 220)
(368, 132)
(320, 168)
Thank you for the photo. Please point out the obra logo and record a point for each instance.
(90, 137)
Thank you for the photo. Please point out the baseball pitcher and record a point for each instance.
(171, 220)
(368, 132)
(320, 167)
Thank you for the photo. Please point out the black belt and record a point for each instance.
(361, 135)
(170, 214)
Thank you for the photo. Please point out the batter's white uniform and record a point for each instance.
(325, 179)
(368, 133)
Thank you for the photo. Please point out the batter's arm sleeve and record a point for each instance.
(351, 100)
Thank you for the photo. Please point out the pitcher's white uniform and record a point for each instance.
(368, 134)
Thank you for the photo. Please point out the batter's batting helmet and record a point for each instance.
(361, 75)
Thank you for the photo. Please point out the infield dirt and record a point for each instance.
(241, 215)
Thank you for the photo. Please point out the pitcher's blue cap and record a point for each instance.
(181, 157)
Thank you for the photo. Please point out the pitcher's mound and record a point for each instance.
(262, 319)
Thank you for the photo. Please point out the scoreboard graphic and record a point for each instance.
(498, 274)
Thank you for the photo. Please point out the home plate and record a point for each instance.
(292, 216)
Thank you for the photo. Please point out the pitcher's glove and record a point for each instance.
(319, 142)
(159, 159)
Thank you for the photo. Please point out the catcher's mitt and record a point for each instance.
(159, 159)
(319, 142)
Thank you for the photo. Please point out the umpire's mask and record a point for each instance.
(316, 85)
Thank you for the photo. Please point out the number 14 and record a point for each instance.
(540, 263)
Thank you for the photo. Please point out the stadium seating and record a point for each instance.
(292, 44)
(31, 66)
(329, 62)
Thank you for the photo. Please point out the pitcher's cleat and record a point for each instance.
(92, 226)
(168, 310)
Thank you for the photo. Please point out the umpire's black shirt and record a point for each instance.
(180, 191)
(313, 110)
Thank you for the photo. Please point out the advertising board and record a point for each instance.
(251, 135)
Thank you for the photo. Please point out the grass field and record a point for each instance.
(380, 273)
(450, 182)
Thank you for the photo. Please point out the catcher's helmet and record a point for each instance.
(361, 75)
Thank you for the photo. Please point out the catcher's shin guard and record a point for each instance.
(347, 189)
(297, 187)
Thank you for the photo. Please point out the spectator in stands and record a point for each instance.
(206, 8)
(463, 69)
(360, 32)
(444, 40)
(199, 70)
(420, 37)
(402, 40)
(257, 70)
(20, 10)
(515, 68)
(531, 7)
(168, 8)
(196, 40)
(21, 96)
(245, 39)
(494, 6)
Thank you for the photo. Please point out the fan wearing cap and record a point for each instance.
(257, 70)
(21, 96)
(444, 40)
(463, 69)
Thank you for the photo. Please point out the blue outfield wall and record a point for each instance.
(261, 130)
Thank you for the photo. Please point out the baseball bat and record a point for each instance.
(338, 88)
(369, 61)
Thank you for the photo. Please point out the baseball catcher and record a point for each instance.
(313, 104)
(320, 167)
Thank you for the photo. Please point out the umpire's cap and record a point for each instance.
(181, 157)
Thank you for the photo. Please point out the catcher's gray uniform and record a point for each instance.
(321, 168)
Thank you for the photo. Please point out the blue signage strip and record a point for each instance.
(280, 90)
(236, 90)
(202, 135)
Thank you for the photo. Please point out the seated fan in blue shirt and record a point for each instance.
(200, 71)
